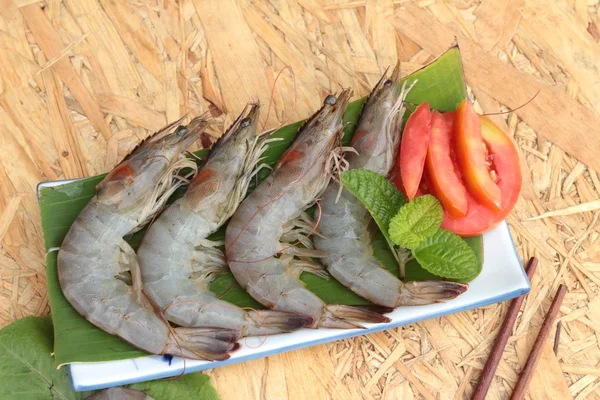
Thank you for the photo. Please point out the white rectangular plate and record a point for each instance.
(502, 278)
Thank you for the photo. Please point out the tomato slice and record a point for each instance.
(470, 152)
(443, 178)
(504, 160)
(450, 117)
(413, 149)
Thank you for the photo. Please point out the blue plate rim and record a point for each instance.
(343, 335)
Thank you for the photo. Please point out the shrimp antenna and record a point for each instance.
(517, 108)
(273, 95)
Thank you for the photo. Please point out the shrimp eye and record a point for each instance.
(181, 131)
(331, 100)
(387, 83)
(245, 122)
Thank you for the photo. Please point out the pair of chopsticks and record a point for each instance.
(494, 359)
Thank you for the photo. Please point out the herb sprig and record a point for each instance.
(414, 227)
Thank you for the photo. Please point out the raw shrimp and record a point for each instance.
(345, 224)
(95, 264)
(274, 211)
(177, 260)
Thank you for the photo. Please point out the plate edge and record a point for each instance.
(166, 374)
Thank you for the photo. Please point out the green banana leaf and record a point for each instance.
(28, 371)
(76, 340)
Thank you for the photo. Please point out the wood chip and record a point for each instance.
(539, 24)
(579, 208)
(569, 118)
(136, 113)
(50, 42)
(8, 215)
(241, 76)
(72, 72)
(64, 132)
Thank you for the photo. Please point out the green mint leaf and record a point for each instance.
(378, 195)
(447, 255)
(414, 271)
(476, 244)
(416, 221)
(29, 372)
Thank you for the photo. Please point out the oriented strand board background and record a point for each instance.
(82, 81)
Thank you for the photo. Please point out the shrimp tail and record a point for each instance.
(340, 317)
(267, 322)
(213, 344)
(376, 308)
(428, 292)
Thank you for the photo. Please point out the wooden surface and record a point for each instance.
(82, 81)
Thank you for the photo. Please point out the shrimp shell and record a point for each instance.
(95, 263)
(253, 236)
(177, 260)
(344, 224)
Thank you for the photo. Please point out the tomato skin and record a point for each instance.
(413, 149)
(443, 178)
(479, 219)
(505, 159)
(470, 152)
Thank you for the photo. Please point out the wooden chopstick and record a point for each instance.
(536, 351)
(485, 379)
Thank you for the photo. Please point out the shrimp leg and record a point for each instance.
(296, 267)
(131, 261)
